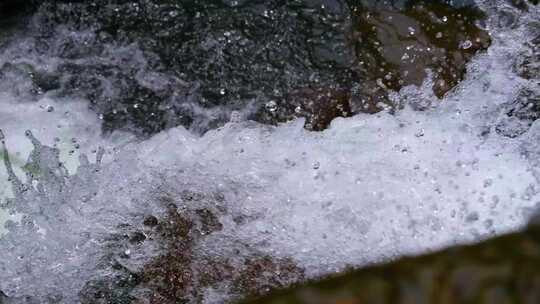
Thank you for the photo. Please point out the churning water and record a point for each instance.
(368, 188)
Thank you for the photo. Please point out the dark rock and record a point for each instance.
(209, 222)
(528, 65)
(180, 272)
(3, 298)
(264, 274)
(150, 221)
(521, 113)
(24, 75)
(12, 10)
(318, 106)
(137, 237)
(523, 4)
(109, 290)
(146, 66)
(500, 270)
(525, 108)
(395, 44)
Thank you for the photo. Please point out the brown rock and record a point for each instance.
(396, 46)
(501, 270)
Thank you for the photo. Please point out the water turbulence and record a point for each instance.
(170, 215)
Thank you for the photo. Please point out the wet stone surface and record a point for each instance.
(395, 45)
(146, 66)
(501, 270)
(524, 110)
(181, 274)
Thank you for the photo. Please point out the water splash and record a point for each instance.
(371, 187)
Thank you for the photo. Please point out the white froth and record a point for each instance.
(368, 188)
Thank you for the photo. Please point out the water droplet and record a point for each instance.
(444, 19)
(50, 108)
(438, 35)
(316, 165)
(271, 106)
(466, 44)
(235, 116)
(405, 56)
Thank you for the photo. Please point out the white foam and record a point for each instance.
(368, 188)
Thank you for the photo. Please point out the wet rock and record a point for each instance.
(219, 57)
(12, 10)
(528, 66)
(180, 272)
(146, 66)
(318, 106)
(523, 4)
(137, 237)
(501, 270)
(3, 298)
(395, 44)
(520, 114)
(209, 221)
(109, 290)
(150, 221)
(264, 274)
(26, 87)
(525, 108)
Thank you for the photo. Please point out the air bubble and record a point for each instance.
(271, 106)
(467, 44)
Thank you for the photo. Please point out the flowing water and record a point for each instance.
(369, 188)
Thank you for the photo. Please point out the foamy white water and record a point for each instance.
(368, 188)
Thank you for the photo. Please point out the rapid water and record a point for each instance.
(369, 188)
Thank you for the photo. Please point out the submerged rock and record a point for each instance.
(147, 251)
(524, 109)
(500, 270)
(396, 44)
(146, 66)
(182, 274)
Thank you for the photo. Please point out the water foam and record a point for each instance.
(368, 188)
